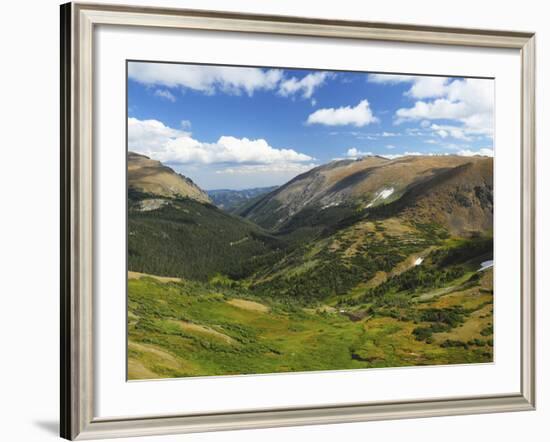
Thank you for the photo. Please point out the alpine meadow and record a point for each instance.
(291, 220)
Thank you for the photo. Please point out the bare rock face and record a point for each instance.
(150, 176)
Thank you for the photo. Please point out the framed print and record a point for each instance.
(273, 221)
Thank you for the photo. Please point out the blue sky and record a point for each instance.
(236, 127)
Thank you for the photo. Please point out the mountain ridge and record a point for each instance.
(153, 177)
(358, 185)
(231, 200)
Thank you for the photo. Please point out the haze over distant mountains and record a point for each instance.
(231, 200)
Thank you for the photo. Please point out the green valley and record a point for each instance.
(355, 264)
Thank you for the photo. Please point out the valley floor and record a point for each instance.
(180, 328)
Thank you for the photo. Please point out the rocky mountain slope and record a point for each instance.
(456, 190)
(153, 177)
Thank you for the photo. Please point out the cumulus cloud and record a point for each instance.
(149, 135)
(167, 95)
(456, 132)
(305, 86)
(427, 87)
(207, 79)
(158, 141)
(421, 86)
(228, 79)
(470, 102)
(355, 153)
(360, 115)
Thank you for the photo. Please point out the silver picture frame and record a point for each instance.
(78, 21)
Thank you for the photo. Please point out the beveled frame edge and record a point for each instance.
(76, 413)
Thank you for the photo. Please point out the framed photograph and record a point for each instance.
(272, 221)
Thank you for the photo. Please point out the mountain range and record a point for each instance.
(231, 200)
(327, 222)
(353, 264)
(453, 191)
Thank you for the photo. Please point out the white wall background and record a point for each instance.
(29, 233)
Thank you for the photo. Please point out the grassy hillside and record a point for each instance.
(187, 328)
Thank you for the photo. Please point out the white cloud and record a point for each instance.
(427, 87)
(488, 152)
(447, 144)
(358, 116)
(158, 141)
(207, 79)
(186, 124)
(372, 135)
(441, 108)
(305, 86)
(227, 79)
(390, 78)
(149, 135)
(390, 146)
(404, 154)
(456, 132)
(469, 102)
(484, 151)
(353, 152)
(277, 168)
(166, 94)
(421, 86)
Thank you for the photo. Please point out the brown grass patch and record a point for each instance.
(138, 275)
(136, 370)
(201, 329)
(248, 305)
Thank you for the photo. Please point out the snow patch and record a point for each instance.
(486, 265)
(326, 206)
(386, 193)
(382, 194)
